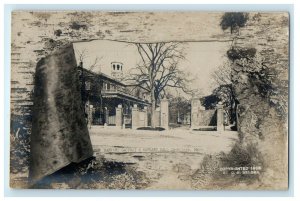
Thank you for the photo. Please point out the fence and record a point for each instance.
(140, 118)
(112, 120)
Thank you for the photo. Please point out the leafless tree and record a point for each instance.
(82, 57)
(82, 54)
(222, 77)
(159, 69)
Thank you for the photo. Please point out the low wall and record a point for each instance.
(207, 117)
(204, 118)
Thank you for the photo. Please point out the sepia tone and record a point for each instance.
(149, 100)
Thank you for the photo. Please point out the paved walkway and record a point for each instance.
(165, 156)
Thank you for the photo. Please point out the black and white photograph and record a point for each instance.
(162, 100)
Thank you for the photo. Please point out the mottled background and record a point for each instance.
(37, 34)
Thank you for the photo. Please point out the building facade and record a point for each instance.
(102, 94)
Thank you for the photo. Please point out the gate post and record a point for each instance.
(135, 117)
(119, 116)
(164, 113)
(157, 118)
(195, 105)
(220, 117)
(145, 110)
(106, 117)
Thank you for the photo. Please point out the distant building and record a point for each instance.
(101, 95)
(117, 70)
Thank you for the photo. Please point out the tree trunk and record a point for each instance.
(153, 107)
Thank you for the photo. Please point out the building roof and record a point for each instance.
(115, 93)
(103, 76)
(122, 95)
(112, 79)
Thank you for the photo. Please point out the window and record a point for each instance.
(114, 67)
(118, 67)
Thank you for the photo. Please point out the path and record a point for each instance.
(166, 157)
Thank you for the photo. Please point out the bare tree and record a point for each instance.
(222, 77)
(159, 69)
(82, 57)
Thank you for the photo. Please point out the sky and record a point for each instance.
(201, 58)
(205, 42)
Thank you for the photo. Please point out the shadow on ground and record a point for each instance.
(95, 173)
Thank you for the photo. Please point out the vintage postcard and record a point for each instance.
(149, 100)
